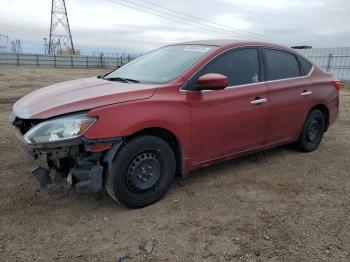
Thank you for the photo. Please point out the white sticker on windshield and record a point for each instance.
(194, 48)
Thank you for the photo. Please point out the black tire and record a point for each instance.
(142, 172)
(312, 132)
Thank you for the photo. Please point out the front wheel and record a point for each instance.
(312, 132)
(142, 172)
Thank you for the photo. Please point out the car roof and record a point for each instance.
(232, 43)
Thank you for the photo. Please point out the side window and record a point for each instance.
(241, 66)
(281, 65)
(305, 65)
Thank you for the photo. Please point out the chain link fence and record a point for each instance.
(63, 61)
(333, 60)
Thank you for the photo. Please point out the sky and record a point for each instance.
(103, 25)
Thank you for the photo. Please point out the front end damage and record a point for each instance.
(73, 163)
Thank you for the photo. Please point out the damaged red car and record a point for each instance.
(170, 111)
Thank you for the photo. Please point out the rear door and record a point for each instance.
(289, 95)
(232, 120)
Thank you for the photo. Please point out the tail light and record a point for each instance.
(337, 85)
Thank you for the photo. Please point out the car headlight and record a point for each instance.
(61, 128)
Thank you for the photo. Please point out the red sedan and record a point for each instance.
(172, 110)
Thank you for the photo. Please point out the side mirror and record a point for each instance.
(212, 82)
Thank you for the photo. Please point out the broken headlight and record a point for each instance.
(61, 128)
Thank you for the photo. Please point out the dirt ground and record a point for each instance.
(277, 205)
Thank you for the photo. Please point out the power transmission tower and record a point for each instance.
(16, 46)
(4, 40)
(60, 34)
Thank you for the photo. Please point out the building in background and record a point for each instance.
(69, 52)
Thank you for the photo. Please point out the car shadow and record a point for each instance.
(231, 164)
(212, 172)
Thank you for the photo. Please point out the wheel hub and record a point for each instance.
(312, 130)
(144, 172)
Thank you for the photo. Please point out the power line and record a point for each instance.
(189, 21)
(169, 18)
(174, 19)
(186, 19)
(209, 22)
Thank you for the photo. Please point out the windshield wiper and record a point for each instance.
(121, 79)
(132, 80)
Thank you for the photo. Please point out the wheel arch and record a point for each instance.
(325, 110)
(169, 137)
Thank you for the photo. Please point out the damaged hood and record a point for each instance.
(78, 95)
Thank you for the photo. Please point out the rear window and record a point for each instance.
(305, 65)
(281, 65)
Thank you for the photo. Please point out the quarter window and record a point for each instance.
(281, 65)
(305, 65)
(241, 66)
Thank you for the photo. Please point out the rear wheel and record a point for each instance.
(142, 172)
(312, 132)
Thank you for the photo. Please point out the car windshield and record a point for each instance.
(162, 65)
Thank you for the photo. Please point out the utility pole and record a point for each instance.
(45, 45)
(60, 34)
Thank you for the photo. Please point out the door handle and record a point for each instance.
(306, 93)
(258, 101)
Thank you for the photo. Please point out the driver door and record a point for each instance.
(233, 120)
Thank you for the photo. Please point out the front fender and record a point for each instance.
(121, 120)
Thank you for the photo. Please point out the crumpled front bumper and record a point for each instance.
(77, 163)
